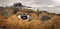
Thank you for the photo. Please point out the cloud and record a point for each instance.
(56, 2)
(31, 2)
(35, 3)
(7, 2)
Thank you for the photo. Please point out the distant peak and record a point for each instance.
(17, 4)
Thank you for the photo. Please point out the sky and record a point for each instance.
(56, 2)
(33, 3)
(37, 3)
(41, 4)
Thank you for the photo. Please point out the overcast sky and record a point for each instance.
(35, 3)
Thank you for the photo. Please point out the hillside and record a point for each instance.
(15, 17)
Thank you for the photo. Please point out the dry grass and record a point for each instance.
(13, 22)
